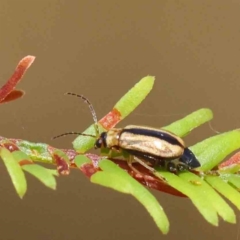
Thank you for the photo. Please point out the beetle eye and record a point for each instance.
(101, 141)
(98, 143)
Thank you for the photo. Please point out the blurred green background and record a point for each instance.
(101, 49)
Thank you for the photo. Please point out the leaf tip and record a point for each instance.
(21, 194)
(149, 79)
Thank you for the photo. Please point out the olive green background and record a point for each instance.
(101, 49)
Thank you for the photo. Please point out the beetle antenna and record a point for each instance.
(94, 115)
(71, 133)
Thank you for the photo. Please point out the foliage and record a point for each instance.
(202, 186)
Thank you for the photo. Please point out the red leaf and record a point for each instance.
(9, 86)
(15, 94)
(235, 159)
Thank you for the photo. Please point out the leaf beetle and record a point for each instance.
(148, 146)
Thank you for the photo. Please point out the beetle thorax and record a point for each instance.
(112, 139)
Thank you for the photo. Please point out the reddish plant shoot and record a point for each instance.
(233, 160)
(111, 119)
(7, 91)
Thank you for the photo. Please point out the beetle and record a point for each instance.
(148, 146)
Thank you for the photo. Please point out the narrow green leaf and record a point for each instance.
(207, 192)
(195, 195)
(185, 125)
(234, 180)
(15, 171)
(19, 156)
(225, 189)
(46, 176)
(54, 172)
(134, 96)
(125, 106)
(114, 177)
(36, 151)
(42, 174)
(80, 160)
(83, 143)
(212, 151)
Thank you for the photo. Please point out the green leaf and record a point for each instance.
(15, 171)
(234, 180)
(42, 174)
(185, 125)
(125, 106)
(114, 177)
(208, 193)
(19, 156)
(194, 193)
(135, 96)
(54, 172)
(225, 189)
(212, 151)
(36, 151)
(80, 160)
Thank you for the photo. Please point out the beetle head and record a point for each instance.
(101, 141)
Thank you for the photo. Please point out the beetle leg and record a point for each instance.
(110, 152)
(181, 167)
(148, 167)
(171, 167)
(143, 164)
(129, 162)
